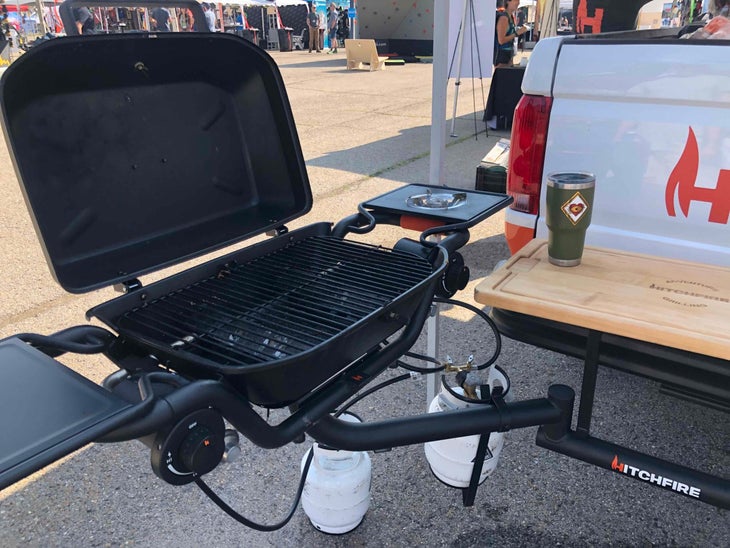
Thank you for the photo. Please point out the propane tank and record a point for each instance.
(336, 492)
(452, 460)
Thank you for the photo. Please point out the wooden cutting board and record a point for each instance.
(663, 301)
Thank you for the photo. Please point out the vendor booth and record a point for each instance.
(272, 24)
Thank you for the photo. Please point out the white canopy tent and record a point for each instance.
(548, 14)
(548, 11)
(40, 7)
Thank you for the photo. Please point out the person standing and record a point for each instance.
(209, 16)
(313, 26)
(505, 32)
(322, 29)
(520, 20)
(333, 19)
(160, 19)
(84, 20)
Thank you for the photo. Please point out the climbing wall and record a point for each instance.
(407, 20)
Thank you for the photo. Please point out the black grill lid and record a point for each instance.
(136, 151)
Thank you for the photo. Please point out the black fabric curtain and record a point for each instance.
(253, 16)
(594, 16)
(294, 17)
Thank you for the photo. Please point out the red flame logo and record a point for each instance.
(681, 183)
(616, 465)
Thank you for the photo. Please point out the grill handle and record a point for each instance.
(80, 339)
(456, 236)
(455, 240)
(358, 223)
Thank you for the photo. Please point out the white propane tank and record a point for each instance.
(451, 460)
(336, 492)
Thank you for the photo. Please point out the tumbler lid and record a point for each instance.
(573, 180)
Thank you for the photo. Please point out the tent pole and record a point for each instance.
(439, 86)
(41, 16)
(438, 90)
(354, 26)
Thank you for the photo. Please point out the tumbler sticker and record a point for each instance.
(575, 208)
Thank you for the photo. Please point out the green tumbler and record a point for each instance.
(568, 214)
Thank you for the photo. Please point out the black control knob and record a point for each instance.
(201, 450)
(455, 278)
(191, 447)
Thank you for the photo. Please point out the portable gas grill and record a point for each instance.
(136, 152)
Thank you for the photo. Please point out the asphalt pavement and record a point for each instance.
(363, 134)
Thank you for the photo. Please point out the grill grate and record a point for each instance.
(280, 304)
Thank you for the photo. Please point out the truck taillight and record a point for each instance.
(527, 152)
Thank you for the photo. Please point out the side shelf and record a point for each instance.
(48, 410)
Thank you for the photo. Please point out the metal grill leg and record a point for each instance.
(433, 325)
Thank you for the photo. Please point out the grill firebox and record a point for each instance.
(280, 321)
(281, 304)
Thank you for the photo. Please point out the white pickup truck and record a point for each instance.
(647, 113)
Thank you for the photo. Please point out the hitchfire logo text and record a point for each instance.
(661, 481)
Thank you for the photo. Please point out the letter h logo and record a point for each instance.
(682, 182)
(582, 19)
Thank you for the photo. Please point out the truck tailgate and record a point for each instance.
(657, 136)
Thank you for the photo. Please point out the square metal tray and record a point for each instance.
(48, 410)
